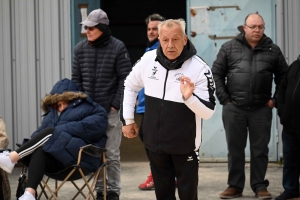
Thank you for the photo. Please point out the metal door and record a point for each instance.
(210, 24)
(79, 12)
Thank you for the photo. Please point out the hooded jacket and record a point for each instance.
(81, 123)
(289, 98)
(244, 75)
(171, 124)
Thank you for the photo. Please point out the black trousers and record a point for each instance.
(291, 158)
(141, 134)
(165, 167)
(37, 160)
(237, 123)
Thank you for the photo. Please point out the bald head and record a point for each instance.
(254, 29)
(253, 14)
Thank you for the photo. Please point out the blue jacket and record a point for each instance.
(140, 108)
(82, 122)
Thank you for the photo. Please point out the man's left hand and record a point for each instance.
(187, 87)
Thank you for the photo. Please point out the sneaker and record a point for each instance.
(230, 193)
(27, 196)
(264, 194)
(112, 196)
(286, 196)
(148, 184)
(5, 162)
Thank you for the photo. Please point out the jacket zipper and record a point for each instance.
(161, 106)
(94, 75)
(293, 101)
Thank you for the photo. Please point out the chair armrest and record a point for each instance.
(92, 150)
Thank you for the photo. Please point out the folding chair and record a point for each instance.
(77, 172)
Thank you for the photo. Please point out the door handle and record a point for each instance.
(213, 8)
(215, 37)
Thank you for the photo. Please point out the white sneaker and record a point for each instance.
(27, 196)
(5, 162)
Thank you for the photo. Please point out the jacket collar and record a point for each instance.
(188, 51)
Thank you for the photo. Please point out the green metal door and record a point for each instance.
(210, 24)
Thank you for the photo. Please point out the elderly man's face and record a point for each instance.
(172, 41)
(92, 33)
(254, 28)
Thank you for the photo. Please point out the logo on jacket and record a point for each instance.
(177, 77)
(154, 70)
(210, 82)
(190, 158)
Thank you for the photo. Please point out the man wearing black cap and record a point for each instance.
(101, 63)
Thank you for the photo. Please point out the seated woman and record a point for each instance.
(71, 121)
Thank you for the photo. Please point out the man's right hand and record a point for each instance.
(130, 130)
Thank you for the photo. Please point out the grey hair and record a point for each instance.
(170, 23)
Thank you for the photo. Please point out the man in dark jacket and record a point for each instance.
(101, 63)
(288, 111)
(243, 72)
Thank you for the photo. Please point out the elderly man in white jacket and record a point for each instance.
(179, 93)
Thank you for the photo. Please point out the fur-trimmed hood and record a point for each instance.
(63, 90)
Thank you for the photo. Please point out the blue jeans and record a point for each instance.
(114, 136)
(291, 158)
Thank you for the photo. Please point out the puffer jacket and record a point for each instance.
(100, 71)
(244, 75)
(81, 123)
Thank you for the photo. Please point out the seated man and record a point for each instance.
(72, 120)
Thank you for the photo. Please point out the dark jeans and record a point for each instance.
(165, 167)
(291, 158)
(237, 123)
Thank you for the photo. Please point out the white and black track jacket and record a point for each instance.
(171, 124)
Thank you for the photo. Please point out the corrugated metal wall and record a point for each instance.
(35, 53)
(288, 28)
(288, 38)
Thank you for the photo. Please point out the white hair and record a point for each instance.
(170, 23)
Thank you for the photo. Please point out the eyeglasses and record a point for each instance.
(89, 28)
(260, 28)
